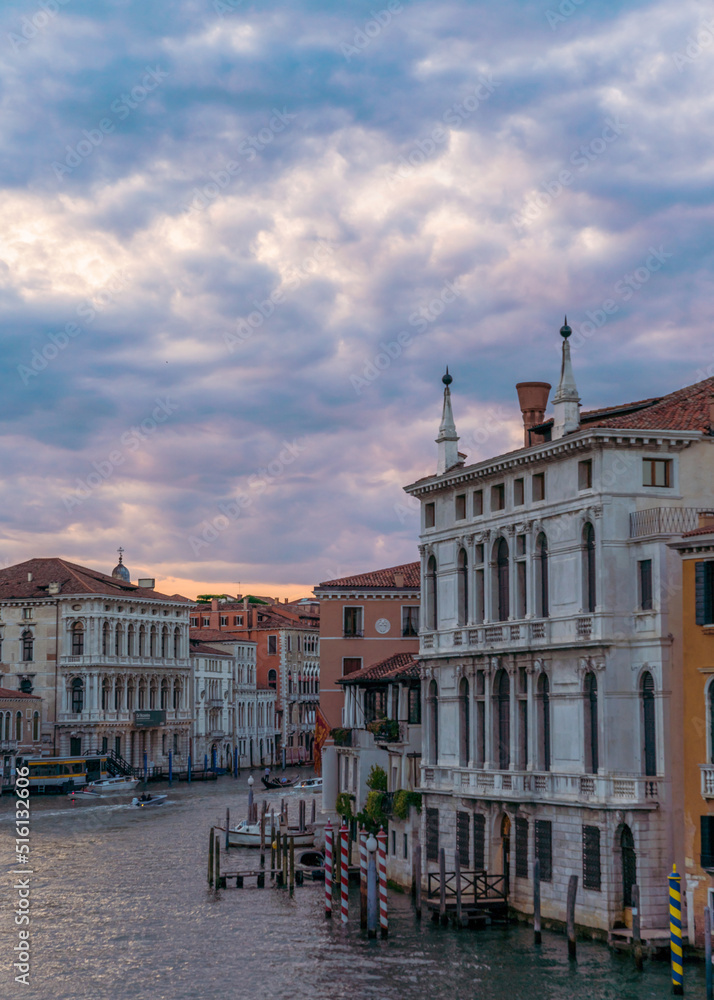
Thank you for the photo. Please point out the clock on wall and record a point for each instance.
(383, 626)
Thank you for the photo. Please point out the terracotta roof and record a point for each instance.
(7, 693)
(401, 666)
(201, 649)
(381, 579)
(72, 579)
(706, 530)
(684, 410)
(209, 635)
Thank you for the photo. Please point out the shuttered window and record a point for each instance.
(592, 878)
(544, 848)
(521, 847)
(432, 835)
(463, 824)
(707, 858)
(479, 842)
(704, 593)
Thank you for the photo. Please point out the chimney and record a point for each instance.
(53, 588)
(147, 584)
(29, 577)
(533, 398)
(399, 580)
(706, 519)
(214, 604)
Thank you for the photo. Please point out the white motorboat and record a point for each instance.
(246, 834)
(111, 786)
(309, 785)
(149, 800)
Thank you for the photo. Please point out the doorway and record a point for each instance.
(629, 871)
(506, 852)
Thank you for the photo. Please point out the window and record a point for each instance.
(353, 622)
(432, 701)
(589, 569)
(463, 830)
(592, 755)
(77, 695)
(519, 496)
(460, 504)
(479, 842)
(542, 589)
(544, 848)
(237, 619)
(498, 497)
(543, 723)
(272, 645)
(521, 847)
(429, 515)
(478, 503)
(177, 642)
(406, 847)
(224, 620)
(28, 645)
(414, 707)
(704, 574)
(77, 639)
(18, 726)
(479, 585)
(205, 621)
(649, 732)
(502, 689)
(521, 577)
(463, 588)
(410, 621)
(194, 622)
(585, 475)
(591, 858)
(707, 831)
(502, 581)
(375, 704)
(273, 679)
(645, 584)
(538, 487)
(657, 472)
(431, 597)
(432, 834)
(522, 717)
(350, 665)
(36, 726)
(464, 724)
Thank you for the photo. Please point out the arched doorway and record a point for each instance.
(629, 869)
(506, 851)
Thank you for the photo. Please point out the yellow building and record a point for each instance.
(697, 551)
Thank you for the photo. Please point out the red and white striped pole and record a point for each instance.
(382, 872)
(328, 871)
(344, 871)
(363, 867)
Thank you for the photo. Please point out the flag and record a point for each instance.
(322, 733)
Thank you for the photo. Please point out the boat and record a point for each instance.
(149, 800)
(246, 834)
(111, 786)
(279, 782)
(309, 785)
(312, 863)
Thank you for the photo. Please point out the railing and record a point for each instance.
(665, 521)
(479, 887)
(523, 634)
(215, 702)
(707, 771)
(552, 786)
(8, 746)
(356, 633)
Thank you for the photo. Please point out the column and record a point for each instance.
(532, 764)
(513, 688)
(488, 719)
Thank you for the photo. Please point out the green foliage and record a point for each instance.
(374, 815)
(343, 805)
(403, 800)
(386, 730)
(342, 737)
(207, 598)
(377, 779)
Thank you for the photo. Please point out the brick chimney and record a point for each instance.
(533, 399)
(706, 519)
(399, 580)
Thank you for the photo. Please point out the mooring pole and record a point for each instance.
(272, 849)
(382, 862)
(228, 826)
(328, 871)
(457, 879)
(572, 894)
(188, 776)
(708, 952)
(146, 767)
(442, 886)
(313, 812)
(210, 858)
(675, 931)
(344, 873)
(417, 880)
(171, 767)
(637, 929)
(217, 859)
(250, 800)
(372, 902)
(292, 866)
(235, 762)
(537, 935)
(286, 859)
(363, 867)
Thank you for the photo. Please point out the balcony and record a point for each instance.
(707, 771)
(522, 635)
(90, 661)
(665, 521)
(215, 702)
(217, 734)
(355, 633)
(547, 786)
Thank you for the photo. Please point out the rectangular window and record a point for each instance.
(206, 622)
(460, 504)
(592, 878)
(657, 472)
(645, 575)
(415, 705)
(478, 503)
(237, 619)
(479, 842)
(538, 487)
(410, 621)
(521, 847)
(429, 515)
(394, 843)
(350, 665)
(707, 831)
(224, 619)
(463, 825)
(544, 848)
(704, 574)
(27, 613)
(519, 494)
(498, 497)
(585, 475)
(353, 622)
(432, 834)
(289, 643)
(521, 589)
(194, 623)
(272, 645)
(406, 846)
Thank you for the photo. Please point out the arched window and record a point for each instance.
(649, 731)
(142, 693)
(432, 600)
(543, 723)
(152, 641)
(118, 635)
(589, 569)
(28, 645)
(177, 696)
(153, 691)
(77, 695)
(106, 689)
(118, 692)
(502, 688)
(165, 641)
(130, 637)
(142, 640)
(36, 726)
(177, 643)
(464, 726)
(273, 679)
(105, 639)
(592, 756)
(503, 608)
(433, 713)
(18, 726)
(542, 590)
(77, 639)
(164, 694)
(130, 696)
(463, 588)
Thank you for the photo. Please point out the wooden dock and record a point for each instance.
(476, 898)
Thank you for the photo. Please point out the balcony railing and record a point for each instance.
(355, 633)
(522, 634)
(665, 521)
(547, 785)
(707, 771)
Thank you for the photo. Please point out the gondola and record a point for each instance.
(278, 782)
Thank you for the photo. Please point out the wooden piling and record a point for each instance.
(457, 879)
(210, 858)
(313, 812)
(537, 933)
(417, 880)
(292, 866)
(442, 886)
(636, 929)
(285, 859)
(217, 859)
(272, 851)
(572, 894)
(228, 826)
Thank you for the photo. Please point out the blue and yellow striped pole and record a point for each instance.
(675, 930)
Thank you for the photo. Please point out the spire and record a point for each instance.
(120, 572)
(448, 439)
(567, 399)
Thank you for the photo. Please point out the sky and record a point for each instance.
(240, 241)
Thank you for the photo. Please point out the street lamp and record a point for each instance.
(372, 846)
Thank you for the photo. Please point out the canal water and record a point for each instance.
(121, 911)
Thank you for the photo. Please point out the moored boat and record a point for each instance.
(246, 834)
(111, 786)
(279, 782)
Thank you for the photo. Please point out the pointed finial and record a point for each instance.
(447, 379)
(121, 555)
(565, 331)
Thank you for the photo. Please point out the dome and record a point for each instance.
(120, 572)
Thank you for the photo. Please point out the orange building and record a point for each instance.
(364, 619)
(697, 551)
